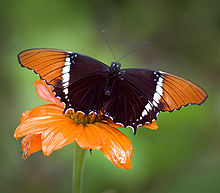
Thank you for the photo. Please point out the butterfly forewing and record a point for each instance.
(131, 98)
(147, 92)
(77, 79)
(167, 92)
(85, 90)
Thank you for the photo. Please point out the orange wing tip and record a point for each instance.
(47, 63)
(179, 92)
(152, 126)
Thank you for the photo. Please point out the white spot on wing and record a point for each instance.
(65, 91)
(66, 68)
(155, 104)
(66, 76)
(68, 59)
(148, 107)
(144, 113)
(157, 97)
(158, 92)
(65, 84)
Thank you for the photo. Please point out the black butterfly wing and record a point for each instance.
(77, 79)
(138, 95)
(128, 103)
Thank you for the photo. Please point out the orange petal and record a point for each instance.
(44, 91)
(43, 110)
(31, 144)
(152, 126)
(90, 137)
(38, 119)
(116, 146)
(59, 135)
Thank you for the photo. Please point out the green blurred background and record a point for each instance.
(184, 35)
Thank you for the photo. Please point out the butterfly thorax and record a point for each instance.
(114, 73)
(115, 69)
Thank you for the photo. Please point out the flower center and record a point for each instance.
(81, 118)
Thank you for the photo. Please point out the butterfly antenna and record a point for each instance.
(134, 50)
(106, 40)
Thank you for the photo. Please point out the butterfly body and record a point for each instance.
(132, 97)
(115, 69)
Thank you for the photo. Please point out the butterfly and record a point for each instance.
(132, 97)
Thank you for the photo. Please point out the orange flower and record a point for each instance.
(46, 128)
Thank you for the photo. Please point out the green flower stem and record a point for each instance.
(78, 166)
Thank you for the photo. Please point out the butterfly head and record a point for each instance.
(115, 68)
